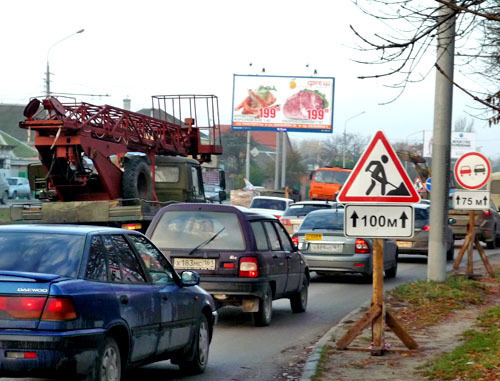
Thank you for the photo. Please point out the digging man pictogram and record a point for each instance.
(377, 170)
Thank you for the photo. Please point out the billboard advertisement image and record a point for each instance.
(278, 103)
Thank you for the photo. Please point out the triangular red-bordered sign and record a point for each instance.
(379, 177)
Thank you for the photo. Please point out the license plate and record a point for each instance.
(404, 243)
(314, 237)
(326, 247)
(194, 264)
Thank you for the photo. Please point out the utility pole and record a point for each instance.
(443, 101)
(284, 139)
(247, 163)
(277, 162)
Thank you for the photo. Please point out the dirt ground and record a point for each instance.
(398, 363)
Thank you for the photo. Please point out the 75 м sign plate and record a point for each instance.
(378, 220)
(471, 200)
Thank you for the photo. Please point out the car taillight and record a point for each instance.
(23, 307)
(277, 216)
(59, 309)
(295, 240)
(361, 247)
(249, 267)
(487, 213)
(286, 222)
(426, 228)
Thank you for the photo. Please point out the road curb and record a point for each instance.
(312, 362)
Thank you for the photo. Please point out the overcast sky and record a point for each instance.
(136, 49)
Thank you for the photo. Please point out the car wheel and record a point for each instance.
(491, 244)
(391, 273)
(108, 365)
(198, 356)
(5, 197)
(262, 318)
(14, 195)
(450, 253)
(29, 196)
(367, 278)
(298, 301)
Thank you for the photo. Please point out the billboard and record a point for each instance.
(461, 143)
(279, 103)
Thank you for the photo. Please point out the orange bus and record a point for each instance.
(326, 183)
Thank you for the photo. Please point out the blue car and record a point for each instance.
(90, 301)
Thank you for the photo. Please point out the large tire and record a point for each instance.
(491, 244)
(137, 181)
(263, 317)
(108, 365)
(14, 195)
(298, 301)
(197, 358)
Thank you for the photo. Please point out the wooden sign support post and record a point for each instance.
(470, 242)
(377, 315)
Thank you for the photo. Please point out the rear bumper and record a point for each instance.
(227, 290)
(58, 353)
(359, 263)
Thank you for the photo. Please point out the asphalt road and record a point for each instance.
(241, 351)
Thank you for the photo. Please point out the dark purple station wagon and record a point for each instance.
(244, 258)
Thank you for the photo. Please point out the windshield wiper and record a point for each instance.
(204, 243)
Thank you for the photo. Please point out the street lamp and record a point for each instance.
(47, 74)
(344, 144)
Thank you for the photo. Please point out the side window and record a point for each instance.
(260, 236)
(273, 236)
(157, 265)
(123, 265)
(96, 265)
(284, 237)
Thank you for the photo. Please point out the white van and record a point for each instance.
(19, 187)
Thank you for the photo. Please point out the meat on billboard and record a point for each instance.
(297, 104)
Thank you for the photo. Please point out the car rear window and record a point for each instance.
(188, 229)
(328, 221)
(41, 252)
(421, 217)
(302, 210)
(268, 204)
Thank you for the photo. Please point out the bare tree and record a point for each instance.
(410, 27)
(464, 125)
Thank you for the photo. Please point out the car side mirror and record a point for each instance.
(190, 278)
(222, 195)
(452, 221)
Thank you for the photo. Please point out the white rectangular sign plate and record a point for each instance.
(471, 200)
(379, 220)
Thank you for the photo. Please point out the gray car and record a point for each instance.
(321, 240)
(295, 213)
(419, 243)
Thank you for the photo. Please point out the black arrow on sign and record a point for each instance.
(485, 199)
(354, 217)
(403, 219)
(458, 199)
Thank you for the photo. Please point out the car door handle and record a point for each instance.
(123, 299)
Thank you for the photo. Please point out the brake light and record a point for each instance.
(249, 267)
(426, 228)
(295, 240)
(277, 216)
(286, 222)
(59, 309)
(23, 307)
(487, 213)
(361, 247)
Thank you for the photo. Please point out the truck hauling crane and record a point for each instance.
(110, 166)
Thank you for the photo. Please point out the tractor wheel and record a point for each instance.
(136, 180)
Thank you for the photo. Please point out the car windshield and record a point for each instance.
(12, 181)
(188, 229)
(210, 188)
(303, 209)
(327, 221)
(331, 177)
(268, 204)
(41, 252)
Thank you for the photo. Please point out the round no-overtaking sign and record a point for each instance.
(472, 170)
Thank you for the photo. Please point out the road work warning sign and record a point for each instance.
(379, 177)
